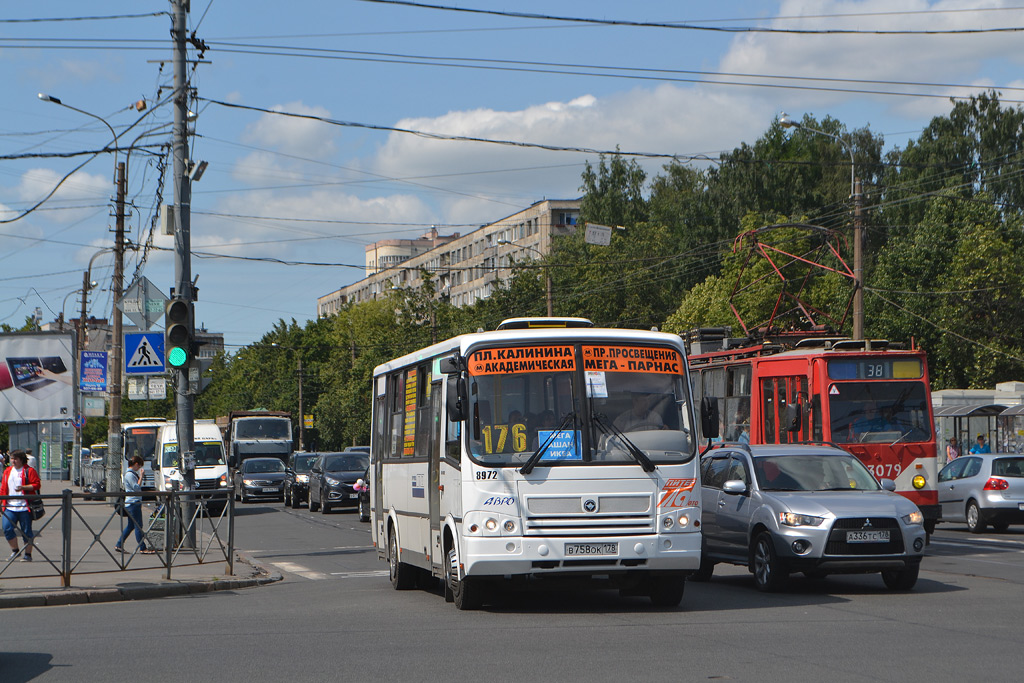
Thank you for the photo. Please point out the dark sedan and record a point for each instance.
(259, 479)
(332, 480)
(296, 483)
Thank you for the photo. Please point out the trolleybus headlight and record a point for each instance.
(491, 524)
(794, 519)
(914, 517)
(509, 525)
(918, 482)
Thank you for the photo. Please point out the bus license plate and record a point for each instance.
(867, 536)
(577, 549)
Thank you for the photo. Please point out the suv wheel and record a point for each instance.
(770, 572)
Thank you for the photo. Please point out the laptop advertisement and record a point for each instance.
(36, 376)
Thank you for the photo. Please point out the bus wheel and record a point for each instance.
(467, 594)
(770, 573)
(707, 565)
(403, 576)
(667, 591)
(975, 523)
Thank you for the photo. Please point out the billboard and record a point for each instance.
(93, 373)
(36, 376)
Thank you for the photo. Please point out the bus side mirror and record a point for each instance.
(709, 417)
(457, 398)
(450, 365)
(793, 417)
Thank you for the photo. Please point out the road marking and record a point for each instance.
(362, 575)
(298, 569)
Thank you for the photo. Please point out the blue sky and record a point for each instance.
(308, 192)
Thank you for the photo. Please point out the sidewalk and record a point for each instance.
(96, 575)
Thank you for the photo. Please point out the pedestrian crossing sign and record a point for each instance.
(144, 353)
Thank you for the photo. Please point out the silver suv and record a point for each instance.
(804, 508)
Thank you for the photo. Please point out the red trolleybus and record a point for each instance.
(870, 397)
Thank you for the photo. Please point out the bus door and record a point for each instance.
(779, 422)
(434, 475)
(380, 448)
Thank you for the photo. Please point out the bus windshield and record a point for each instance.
(879, 412)
(208, 454)
(530, 398)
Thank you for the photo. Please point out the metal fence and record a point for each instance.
(184, 527)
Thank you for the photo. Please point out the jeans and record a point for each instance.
(22, 517)
(134, 511)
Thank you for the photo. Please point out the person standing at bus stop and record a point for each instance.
(952, 450)
(18, 479)
(133, 506)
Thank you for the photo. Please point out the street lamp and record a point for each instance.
(114, 451)
(858, 234)
(302, 418)
(547, 272)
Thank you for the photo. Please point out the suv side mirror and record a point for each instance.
(888, 484)
(734, 487)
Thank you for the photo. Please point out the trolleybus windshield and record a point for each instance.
(879, 412)
(624, 396)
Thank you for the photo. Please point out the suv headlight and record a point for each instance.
(794, 519)
(914, 517)
(302, 478)
(332, 481)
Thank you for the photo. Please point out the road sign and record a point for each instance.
(147, 388)
(144, 353)
(143, 303)
(598, 234)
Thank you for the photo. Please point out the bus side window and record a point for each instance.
(396, 414)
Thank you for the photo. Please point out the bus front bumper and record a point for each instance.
(518, 555)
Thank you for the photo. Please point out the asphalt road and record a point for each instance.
(335, 617)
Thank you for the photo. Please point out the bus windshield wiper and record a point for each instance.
(532, 461)
(610, 429)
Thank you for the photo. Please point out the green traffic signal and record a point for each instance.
(177, 356)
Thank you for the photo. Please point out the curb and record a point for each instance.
(140, 591)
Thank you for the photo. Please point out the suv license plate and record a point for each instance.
(577, 549)
(269, 489)
(867, 536)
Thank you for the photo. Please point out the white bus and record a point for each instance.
(545, 449)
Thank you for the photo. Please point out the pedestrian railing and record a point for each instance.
(186, 528)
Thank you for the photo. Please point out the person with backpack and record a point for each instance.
(133, 506)
(18, 480)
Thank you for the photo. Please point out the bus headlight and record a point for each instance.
(168, 486)
(918, 482)
(668, 523)
(509, 526)
(491, 524)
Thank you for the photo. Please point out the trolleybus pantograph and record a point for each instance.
(544, 450)
(870, 397)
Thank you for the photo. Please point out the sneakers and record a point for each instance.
(26, 558)
(118, 549)
(12, 556)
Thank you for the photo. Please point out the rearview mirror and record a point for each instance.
(449, 365)
(793, 418)
(457, 398)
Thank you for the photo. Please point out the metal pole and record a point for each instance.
(65, 530)
(231, 530)
(114, 451)
(302, 418)
(547, 274)
(858, 261)
(183, 247)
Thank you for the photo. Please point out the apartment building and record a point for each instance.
(465, 268)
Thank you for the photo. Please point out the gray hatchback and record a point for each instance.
(809, 508)
(982, 489)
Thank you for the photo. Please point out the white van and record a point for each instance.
(211, 466)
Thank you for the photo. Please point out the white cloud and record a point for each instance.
(304, 138)
(81, 189)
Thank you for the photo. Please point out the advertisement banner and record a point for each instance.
(36, 376)
(93, 373)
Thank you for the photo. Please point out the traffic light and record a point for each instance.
(178, 341)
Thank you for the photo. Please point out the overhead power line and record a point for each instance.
(40, 20)
(691, 26)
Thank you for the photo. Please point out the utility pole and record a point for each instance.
(858, 261)
(302, 418)
(184, 408)
(114, 450)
